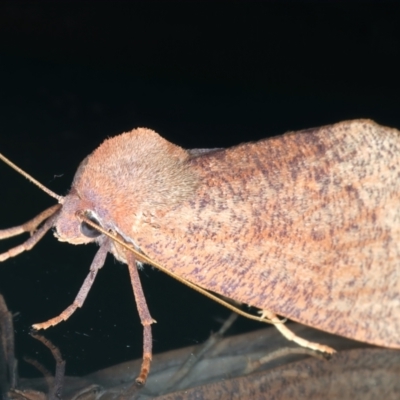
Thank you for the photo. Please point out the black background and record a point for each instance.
(202, 74)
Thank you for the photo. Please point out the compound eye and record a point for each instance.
(88, 230)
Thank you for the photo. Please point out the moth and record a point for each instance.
(305, 225)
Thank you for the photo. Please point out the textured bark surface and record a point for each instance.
(353, 373)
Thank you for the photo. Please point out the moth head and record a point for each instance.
(126, 183)
(69, 226)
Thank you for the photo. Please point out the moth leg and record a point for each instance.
(145, 319)
(97, 263)
(288, 334)
(281, 353)
(36, 236)
(31, 225)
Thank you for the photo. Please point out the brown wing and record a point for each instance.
(305, 225)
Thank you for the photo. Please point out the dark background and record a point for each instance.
(202, 74)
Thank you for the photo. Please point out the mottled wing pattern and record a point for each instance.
(306, 225)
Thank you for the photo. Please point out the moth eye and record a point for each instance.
(88, 230)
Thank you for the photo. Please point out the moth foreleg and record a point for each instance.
(50, 214)
(97, 263)
(31, 225)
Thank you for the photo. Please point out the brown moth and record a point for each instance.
(304, 225)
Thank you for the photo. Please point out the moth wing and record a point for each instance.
(306, 225)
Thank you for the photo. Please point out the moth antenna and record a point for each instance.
(143, 258)
(59, 198)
